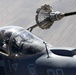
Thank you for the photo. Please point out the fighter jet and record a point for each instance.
(22, 53)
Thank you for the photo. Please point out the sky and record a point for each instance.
(22, 13)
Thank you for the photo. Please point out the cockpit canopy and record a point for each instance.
(16, 41)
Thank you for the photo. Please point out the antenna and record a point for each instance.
(46, 49)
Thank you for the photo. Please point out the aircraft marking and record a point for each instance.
(55, 72)
(2, 64)
(59, 72)
(50, 72)
(31, 69)
(15, 66)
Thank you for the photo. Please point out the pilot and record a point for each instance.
(2, 37)
(7, 36)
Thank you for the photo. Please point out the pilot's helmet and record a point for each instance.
(2, 37)
(7, 36)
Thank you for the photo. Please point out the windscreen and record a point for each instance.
(26, 43)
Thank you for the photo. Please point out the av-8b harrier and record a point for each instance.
(22, 53)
